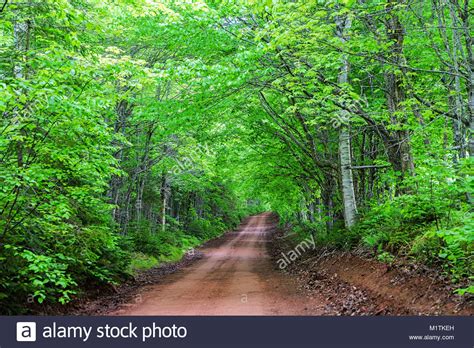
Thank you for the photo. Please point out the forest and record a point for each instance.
(132, 131)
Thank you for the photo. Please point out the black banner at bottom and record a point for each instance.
(399, 332)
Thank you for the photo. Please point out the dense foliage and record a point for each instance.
(132, 131)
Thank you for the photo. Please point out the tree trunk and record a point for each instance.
(164, 198)
(21, 37)
(328, 203)
(455, 99)
(399, 148)
(348, 195)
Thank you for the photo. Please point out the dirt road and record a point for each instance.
(235, 277)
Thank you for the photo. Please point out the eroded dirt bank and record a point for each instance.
(354, 284)
(238, 274)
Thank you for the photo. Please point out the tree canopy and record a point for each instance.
(133, 130)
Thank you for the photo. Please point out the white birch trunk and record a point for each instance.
(348, 194)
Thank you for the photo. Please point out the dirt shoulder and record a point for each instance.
(353, 284)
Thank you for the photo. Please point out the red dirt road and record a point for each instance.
(235, 277)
